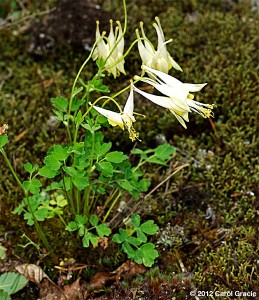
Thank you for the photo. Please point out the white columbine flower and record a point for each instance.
(110, 49)
(178, 98)
(124, 119)
(158, 59)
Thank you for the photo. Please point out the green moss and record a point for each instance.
(232, 264)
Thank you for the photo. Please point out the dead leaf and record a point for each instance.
(129, 268)
(103, 242)
(3, 129)
(32, 272)
(48, 289)
(100, 280)
(74, 291)
(20, 136)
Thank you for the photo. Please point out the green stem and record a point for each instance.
(93, 201)
(77, 196)
(89, 188)
(125, 16)
(77, 77)
(111, 207)
(36, 223)
(112, 194)
(75, 134)
(74, 85)
(63, 221)
(12, 169)
(69, 195)
(41, 234)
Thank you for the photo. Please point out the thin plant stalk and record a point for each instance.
(36, 223)
(112, 205)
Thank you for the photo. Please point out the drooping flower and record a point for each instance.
(159, 59)
(110, 49)
(177, 95)
(124, 119)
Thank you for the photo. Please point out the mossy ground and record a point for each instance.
(215, 200)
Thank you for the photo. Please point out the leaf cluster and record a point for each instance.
(86, 232)
(134, 241)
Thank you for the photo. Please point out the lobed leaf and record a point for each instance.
(147, 253)
(72, 226)
(60, 103)
(94, 220)
(128, 249)
(47, 172)
(103, 230)
(149, 227)
(105, 168)
(164, 151)
(90, 237)
(116, 157)
(135, 220)
(80, 182)
(11, 282)
(52, 162)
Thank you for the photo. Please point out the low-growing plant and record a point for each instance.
(10, 283)
(137, 247)
(81, 180)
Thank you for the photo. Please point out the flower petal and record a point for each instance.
(177, 95)
(163, 101)
(113, 117)
(194, 87)
(129, 106)
(147, 43)
(169, 80)
(179, 118)
(174, 63)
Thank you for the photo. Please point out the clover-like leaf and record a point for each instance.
(52, 162)
(128, 249)
(72, 226)
(147, 253)
(141, 235)
(102, 149)
(116, 157)
(60, 152)
(105, 168)
(164, 151)
(134, 241)
(60, 103)
(94, 220)
(32, 185)
(149, 227)
(103, 230)
(120, 237)
(80, 182)
(90, 237)
(30, 168)
(81, 219)
(47, 172)
(135, 220)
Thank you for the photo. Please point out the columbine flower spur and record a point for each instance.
(158, 59)
(178, 98)
(110, 49)
(125, 119)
